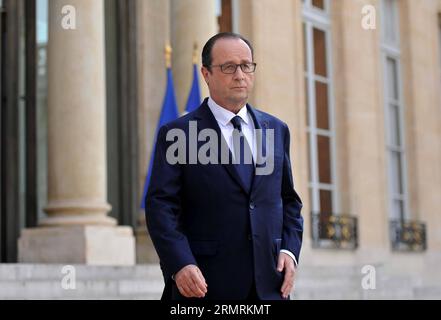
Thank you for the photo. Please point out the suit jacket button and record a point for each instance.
(252, 205)
(250, 237)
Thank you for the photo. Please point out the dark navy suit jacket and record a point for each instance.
(201, 214)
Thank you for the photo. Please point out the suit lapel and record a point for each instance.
(262, 124)
(206, 120)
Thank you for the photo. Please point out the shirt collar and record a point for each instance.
(224, 116)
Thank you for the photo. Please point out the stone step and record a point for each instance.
(83, 289)
(28, 281)
(53, 272)
(25, 281)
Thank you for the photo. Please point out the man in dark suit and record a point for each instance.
(222, 230)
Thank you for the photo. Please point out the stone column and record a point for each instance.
(191, 21)
(420, 77)
(77, 228)
(153, 33)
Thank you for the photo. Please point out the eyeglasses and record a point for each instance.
(230, 68)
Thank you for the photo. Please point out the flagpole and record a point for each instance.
(195, 53)
(194, 97)
(168, 56)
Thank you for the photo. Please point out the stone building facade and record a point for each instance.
(357, 81)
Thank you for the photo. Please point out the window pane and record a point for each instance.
(309, 159)
(398, 209)
(311, 201)
(320, 4)
(307, 102)
(320, 52)
(396, 172)
(41, 103)
(326, 201)
(394, 125)
(224, 15)
(321, 100)
(305, 49)
(439, 41)
(390, 15)
(392, 79)
(324, 159)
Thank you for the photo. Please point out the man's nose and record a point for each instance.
(239, 74)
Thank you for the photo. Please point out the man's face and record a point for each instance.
(229, 90)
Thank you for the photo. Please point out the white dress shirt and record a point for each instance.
(223, 118)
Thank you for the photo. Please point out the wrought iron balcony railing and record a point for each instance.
(334, 231)
(407, 235)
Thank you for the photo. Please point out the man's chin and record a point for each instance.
(239, 98)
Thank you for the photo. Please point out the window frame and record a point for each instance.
(439, 46)
(392, 51)
(313, 10)
(319, 19)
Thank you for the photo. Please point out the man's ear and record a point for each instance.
(205, 73)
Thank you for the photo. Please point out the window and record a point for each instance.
(439, 43)
(319, 108)
(17, 117)
(316, 6)
(41, 103)
(319, 4)
(394, 112)
(225, 12)
(390, 22)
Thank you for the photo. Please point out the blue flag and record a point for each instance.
(169, 113)
(194, 98)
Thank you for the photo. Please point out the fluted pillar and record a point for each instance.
(77, 183)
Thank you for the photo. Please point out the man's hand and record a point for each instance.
(286, 263)
(190, 282)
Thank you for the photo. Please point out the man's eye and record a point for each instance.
(229, 67)
(246, 67)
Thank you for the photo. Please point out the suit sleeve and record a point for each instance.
(162, 210)
(292, 205)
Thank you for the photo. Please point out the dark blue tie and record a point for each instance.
(244, 165)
